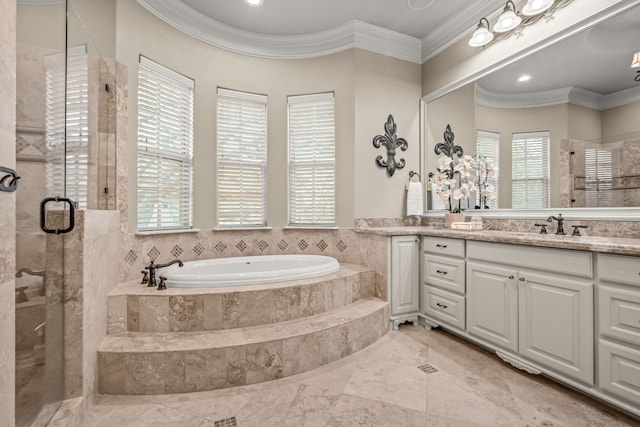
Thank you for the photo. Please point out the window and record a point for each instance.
(312, 164)
(242, 159)
(165, 147)
(530, 170)
(67, 168)
(488, 145)
(599, 166)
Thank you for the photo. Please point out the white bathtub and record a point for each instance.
(251, 270)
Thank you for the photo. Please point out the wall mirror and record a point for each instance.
(583, 94)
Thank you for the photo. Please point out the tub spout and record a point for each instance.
(152, 270)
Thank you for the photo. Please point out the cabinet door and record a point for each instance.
(556, 323)
(405, 274)
(492, 304)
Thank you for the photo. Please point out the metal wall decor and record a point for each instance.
(8, 179)
(447, 147)
(392, 143)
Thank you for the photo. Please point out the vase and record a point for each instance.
(452, 217)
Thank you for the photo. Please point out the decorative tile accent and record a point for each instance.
(198, 249)
(242, 246)
(302, 245)
(226, 422)
(283, 245)
(36, 257)
(21, 144)
(220, 247)
(131, 257)
(341, 246)
(322, 245)
(427, 369)
(154, 253)
(262, 245)
(176, 251)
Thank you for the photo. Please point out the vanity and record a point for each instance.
(562, 306)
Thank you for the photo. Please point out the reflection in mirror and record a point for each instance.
(563, 121)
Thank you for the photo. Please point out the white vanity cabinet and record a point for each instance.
(404, 279)
(444, 281)
(536, 303)
(619, 326)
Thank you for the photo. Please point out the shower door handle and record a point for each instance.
(43, 215)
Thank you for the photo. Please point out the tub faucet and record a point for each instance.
(560, 219)
(152, 271)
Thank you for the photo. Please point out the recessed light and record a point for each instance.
(254, 3)
(419, 4)
(524, 78)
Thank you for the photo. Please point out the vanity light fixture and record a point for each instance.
(482, 35)
(254, 3)
(536, 7)
(636, 60)
(508, 20)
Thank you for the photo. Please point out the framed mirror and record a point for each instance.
(562, 123)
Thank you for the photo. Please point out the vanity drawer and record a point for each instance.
(443, 246)
(444, 306)
(444, 272)
(619, 371)
(619, 313)
(619, 269)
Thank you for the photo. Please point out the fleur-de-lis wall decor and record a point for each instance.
(447, 147)
(391, 143)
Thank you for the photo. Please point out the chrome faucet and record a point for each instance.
(560, 219)
(152, 271)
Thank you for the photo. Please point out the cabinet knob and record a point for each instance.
(512, 277)
(521, 279)
(441, 246)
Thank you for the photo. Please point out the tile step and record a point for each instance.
(179, 362)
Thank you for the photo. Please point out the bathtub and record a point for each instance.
(250, 270)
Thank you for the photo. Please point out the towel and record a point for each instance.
(415, 204)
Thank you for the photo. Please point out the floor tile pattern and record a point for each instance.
(378, 386)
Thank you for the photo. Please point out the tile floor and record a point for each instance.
(410, 377)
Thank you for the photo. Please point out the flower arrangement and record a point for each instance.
(486, 171)
(459, 179)
(454, 180)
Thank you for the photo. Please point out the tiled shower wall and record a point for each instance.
(345, 245)
(7, 212)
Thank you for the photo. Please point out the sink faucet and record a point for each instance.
(560, 220)
(152, 271)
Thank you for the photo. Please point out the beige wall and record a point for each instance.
(621, 123)
(584, 124)
(368, 87)
(7, 212)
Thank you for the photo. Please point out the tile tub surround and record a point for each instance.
(134, 307)
(181, 340)
(380, 385)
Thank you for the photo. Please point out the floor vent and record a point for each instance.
(427, 369)
(226, 422)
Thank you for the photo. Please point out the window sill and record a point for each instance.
(177, 231)
(310, 227)
(241, 228)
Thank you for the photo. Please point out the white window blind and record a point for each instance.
(488, 145)
(530, 170)
(165, 147)
(68, 163)
(599, 167)
(312, 160)
(242, 159)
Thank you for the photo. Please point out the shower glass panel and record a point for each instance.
(40, 131)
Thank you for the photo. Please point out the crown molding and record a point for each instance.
(565, 95)
(39, 2)
(454, 29)
(354, 34)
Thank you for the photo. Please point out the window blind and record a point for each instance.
(241, 158)
(312, 161)
(165, 147)
(599, 166)
(530, 170)
(67, 168)
(488, 145)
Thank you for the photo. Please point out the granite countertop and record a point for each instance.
(613, 245)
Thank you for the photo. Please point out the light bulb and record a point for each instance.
(535, 7)
(254, 3)
(481, 35)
